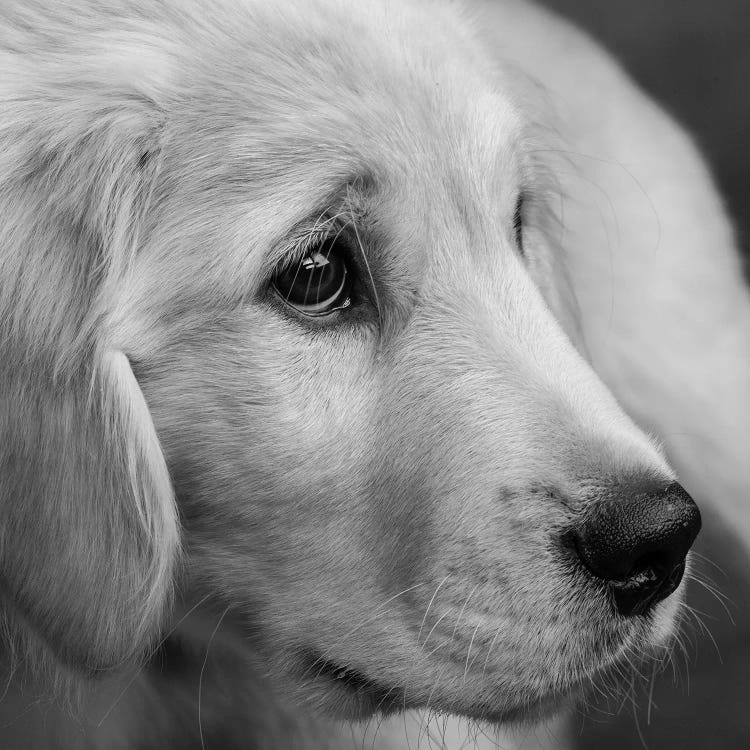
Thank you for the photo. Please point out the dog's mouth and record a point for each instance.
(359, 691)
(351, 693)
(344, 688)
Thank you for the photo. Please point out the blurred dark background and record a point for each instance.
(694, 57)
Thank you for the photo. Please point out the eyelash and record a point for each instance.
(518, 223)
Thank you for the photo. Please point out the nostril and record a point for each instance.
(638, 544)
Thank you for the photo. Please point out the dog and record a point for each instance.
(358, 360)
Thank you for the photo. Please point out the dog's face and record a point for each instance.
(380, 440)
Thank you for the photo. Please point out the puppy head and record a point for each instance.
(378, 434)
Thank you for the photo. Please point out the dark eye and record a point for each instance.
(518, 223)
(319, 283)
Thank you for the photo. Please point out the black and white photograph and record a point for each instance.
(374, 375)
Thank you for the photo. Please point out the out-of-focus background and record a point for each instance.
(694, 57)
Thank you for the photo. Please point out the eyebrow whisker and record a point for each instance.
(364, 258)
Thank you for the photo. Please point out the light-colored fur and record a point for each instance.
(379, 490)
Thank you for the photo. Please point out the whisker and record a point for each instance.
(460, 614)
(439, 620)
(708, 561)
(365, 261)
(724, 600)
(150, 656)
(468, 653)
(697, 617)
(489, 650)
(424, 619)
(377, 613)
(200, 678)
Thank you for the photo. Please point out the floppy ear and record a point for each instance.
(88, 526)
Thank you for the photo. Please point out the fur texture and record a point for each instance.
(373, 498)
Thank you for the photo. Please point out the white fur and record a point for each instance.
(378, 491)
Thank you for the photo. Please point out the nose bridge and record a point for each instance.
(515, 372)
(496, 319)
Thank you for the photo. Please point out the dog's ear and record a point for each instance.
(88, 526)
(88, 533)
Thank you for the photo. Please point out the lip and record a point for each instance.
(356, 694)
(348, 691)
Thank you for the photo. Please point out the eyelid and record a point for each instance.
(302, 247)
(305, 239)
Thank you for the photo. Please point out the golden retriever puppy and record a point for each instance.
(350, 356)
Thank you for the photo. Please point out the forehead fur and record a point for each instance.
(261, 129)
(346, 82)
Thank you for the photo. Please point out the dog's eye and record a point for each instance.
(518, 223)
(319, 283)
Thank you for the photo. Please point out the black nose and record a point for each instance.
(638, 544)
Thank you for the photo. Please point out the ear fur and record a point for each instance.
(88, 526)
(88, 534)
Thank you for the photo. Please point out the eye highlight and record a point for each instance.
(319, 283)
(518, 223)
